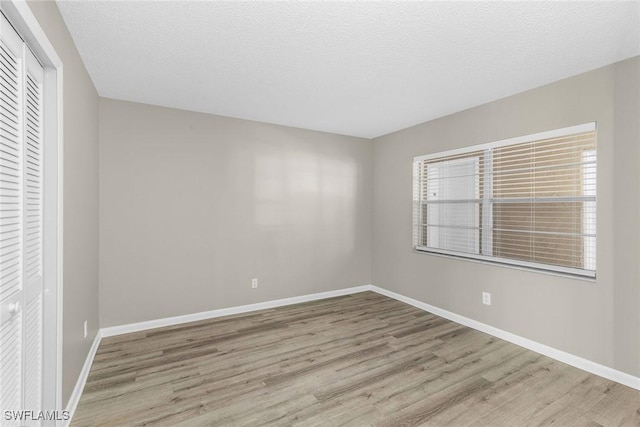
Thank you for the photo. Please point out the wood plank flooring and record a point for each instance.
(356, 360)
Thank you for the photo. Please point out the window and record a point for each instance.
(528, 201)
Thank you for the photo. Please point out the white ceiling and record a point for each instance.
(354, 68)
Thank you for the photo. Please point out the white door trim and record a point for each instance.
(20, 15)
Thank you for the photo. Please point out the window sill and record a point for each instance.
(510, 266)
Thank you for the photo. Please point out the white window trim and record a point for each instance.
(507, 261)
(20, 15)
(493, 260)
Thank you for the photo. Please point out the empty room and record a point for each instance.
(319, 213)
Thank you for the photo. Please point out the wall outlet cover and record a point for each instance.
(486, 298)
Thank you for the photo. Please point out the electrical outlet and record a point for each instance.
(486, 298)
(86, 331)
(254, 283)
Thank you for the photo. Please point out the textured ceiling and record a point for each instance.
(354, 68)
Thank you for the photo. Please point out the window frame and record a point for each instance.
(487, 208)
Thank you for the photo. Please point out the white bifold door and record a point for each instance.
(21, 209)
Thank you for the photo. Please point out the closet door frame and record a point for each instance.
(26, 24)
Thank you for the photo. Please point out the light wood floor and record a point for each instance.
(357, 360)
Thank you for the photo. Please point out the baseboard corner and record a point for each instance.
(74, 399)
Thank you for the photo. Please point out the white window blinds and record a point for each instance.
(528, 201)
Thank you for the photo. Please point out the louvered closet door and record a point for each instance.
(32, 227)
(21, 282)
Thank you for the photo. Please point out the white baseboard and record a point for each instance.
(569, 359)
(170, 321)
(82, 379)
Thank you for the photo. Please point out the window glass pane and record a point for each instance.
(453, 226)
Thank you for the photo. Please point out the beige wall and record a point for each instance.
(80, 139)
(193, 206)
(598, 321)
(626, 204)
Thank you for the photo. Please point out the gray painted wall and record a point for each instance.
(193, 206)
(80, 174)
(626, 205)
(595, 320)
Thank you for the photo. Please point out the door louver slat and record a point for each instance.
(33, 176)
(33, 365)
(10, 363)
(10, 175)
